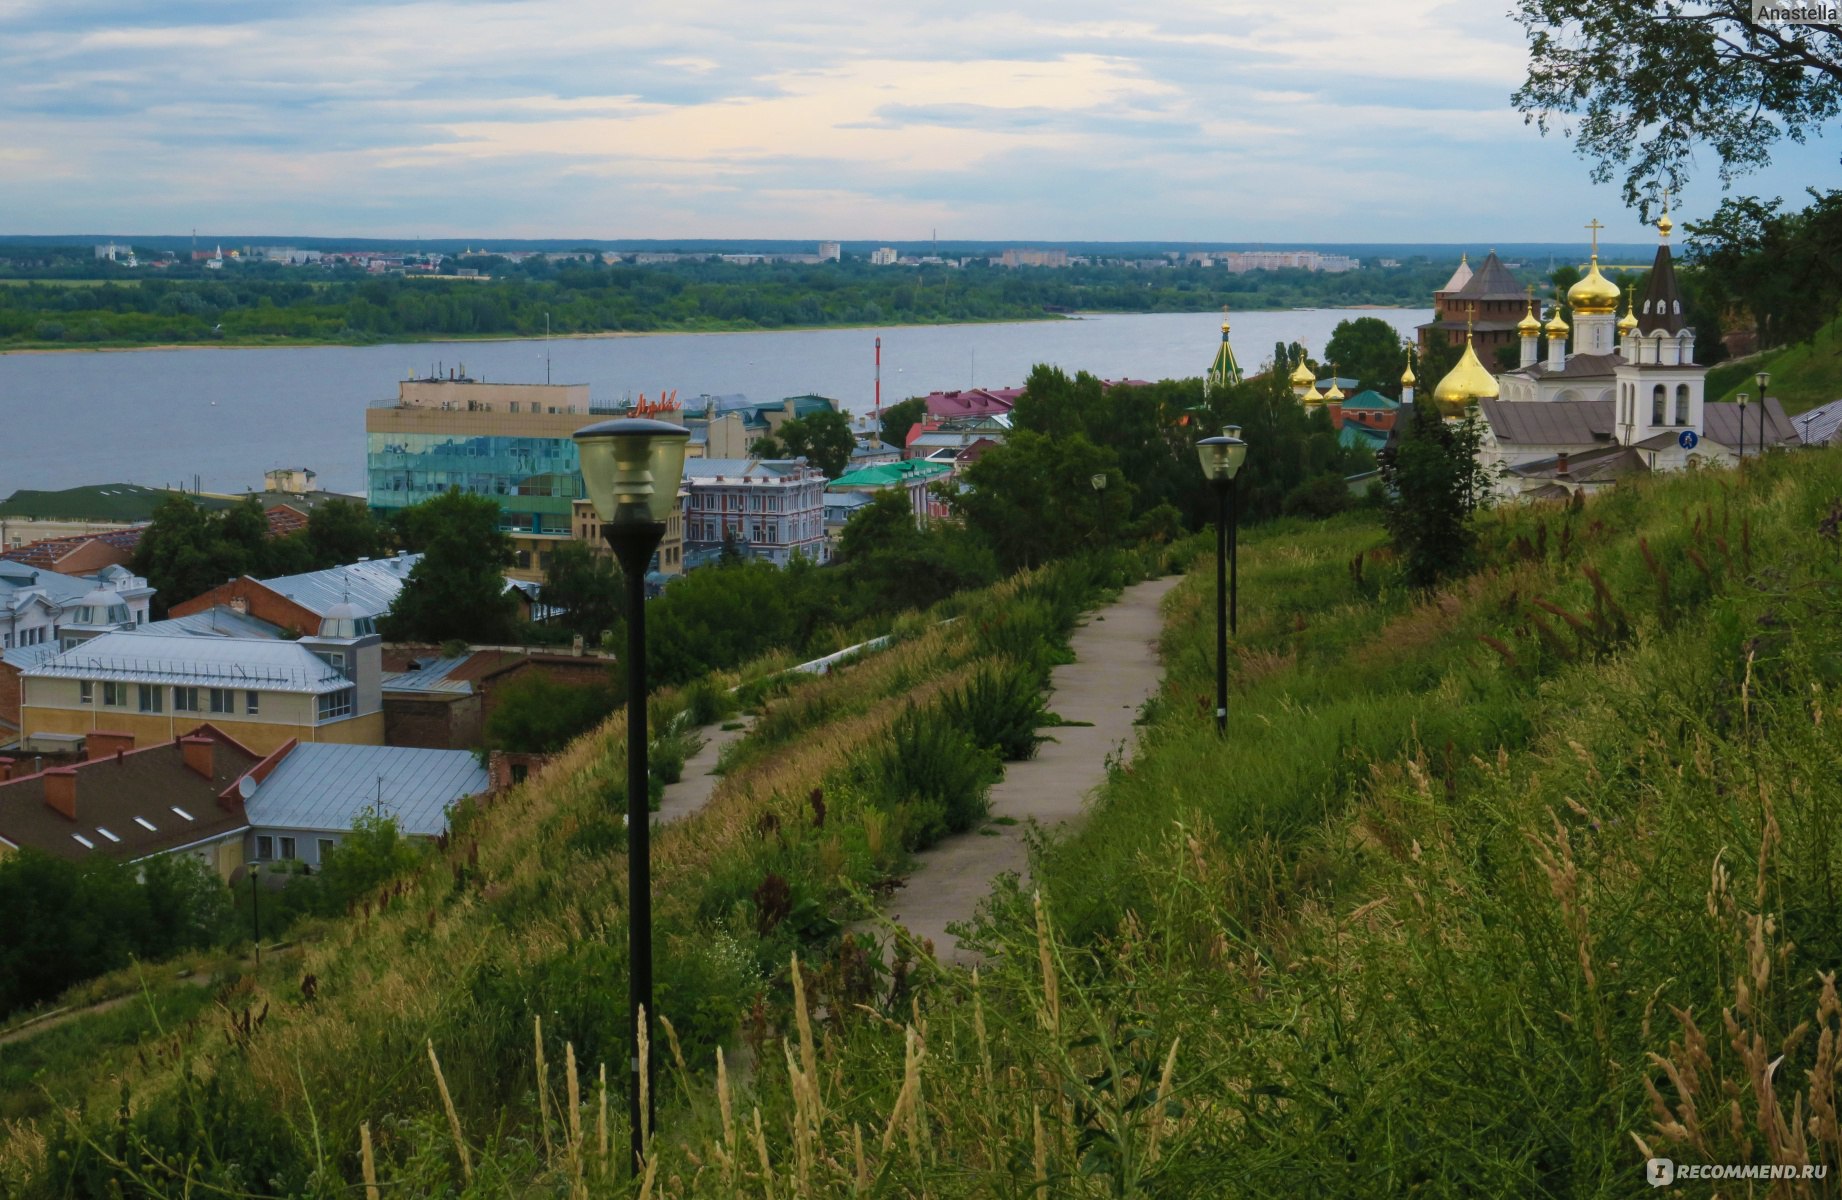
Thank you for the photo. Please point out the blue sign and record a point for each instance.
(1688, 440)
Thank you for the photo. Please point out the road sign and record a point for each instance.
(1688, 440)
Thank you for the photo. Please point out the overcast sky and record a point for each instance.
(1282, 120)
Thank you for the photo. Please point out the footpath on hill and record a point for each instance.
(699, 779)
(1115, 670)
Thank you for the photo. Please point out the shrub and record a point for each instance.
(1000, 707)
(930, 774)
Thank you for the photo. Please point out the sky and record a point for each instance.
(1192, 120)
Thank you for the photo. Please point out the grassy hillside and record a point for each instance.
(1803, 376)
(1490, 892)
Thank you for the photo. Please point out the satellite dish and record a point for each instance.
(246, 787)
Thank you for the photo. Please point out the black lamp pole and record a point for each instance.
(633, 545)
(1234, 557)
(255, 912)
(1222, 555)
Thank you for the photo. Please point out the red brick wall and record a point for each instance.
(258, 601)
(433, 724)
(9, 693)
(566, 670)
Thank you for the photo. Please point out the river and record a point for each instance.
(223, 416)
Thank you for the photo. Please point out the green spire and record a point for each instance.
(1224, 371)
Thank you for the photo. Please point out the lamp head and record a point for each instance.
(1764, 378)
(631, 467)
(1222, 456)
(1098, 482)
(1743, 398)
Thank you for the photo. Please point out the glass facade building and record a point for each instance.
(536, 480)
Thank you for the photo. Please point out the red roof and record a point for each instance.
(284, 521)
(47, 554)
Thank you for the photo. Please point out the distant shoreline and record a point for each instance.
(321, 343)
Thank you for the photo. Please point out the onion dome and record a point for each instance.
(1312, 397)
(1407, 379)
(1556, 327)
(1530, 325)
(1627, 324)
(1333, 392)
(1303, 376)
(1465, 384)
(1594, 294)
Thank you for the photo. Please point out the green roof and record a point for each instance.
(1369, 398)
(119, 502)
(889, 474)
(1357, 437)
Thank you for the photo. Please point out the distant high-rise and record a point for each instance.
(830, 251)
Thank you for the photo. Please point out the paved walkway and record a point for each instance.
(693, 789)
(1116, 669)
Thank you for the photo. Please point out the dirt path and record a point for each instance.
(1116, 669)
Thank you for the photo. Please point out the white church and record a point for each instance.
(1629, 398)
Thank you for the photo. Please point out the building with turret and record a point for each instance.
(1480, 305)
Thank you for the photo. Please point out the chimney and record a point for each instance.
(102, 743)
(61, 791)
(6, 769)
(197, 751)
(1560, 463)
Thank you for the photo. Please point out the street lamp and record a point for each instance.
(255, 911)
(1221, 461)
(1743, 398)
(1098, 483)
(631, 468)
(1765, 379)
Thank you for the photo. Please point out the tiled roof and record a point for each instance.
(325, 787)
(51, 551)
(1491, 281)
(149, 800)
(284, 521)
(137, 657)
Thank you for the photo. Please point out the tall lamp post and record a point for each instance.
(1743, 398)
(1765, 379)
(1221, 461)
(255, 911)
(1098, 483)
(631, 468)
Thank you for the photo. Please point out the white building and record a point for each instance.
(771, 508)
(37, 606)
(830, 251)
(883, 257)
(1629, 397)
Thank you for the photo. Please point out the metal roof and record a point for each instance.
(373, 585)
(263, 663)
(890, 474)
(1820, 424)
(1492, 281)
(323, 786)
(1550, 422)
(430, 677)
(1721, 423)
(217, 621)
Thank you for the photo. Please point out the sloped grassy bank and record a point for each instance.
(1494, 892)
(521, 920)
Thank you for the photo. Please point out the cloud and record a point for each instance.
(1197, 119)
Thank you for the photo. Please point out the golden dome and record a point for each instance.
(1556, 327)
(1311, 398)
(1530, 325)
(1628, 322)
(1335, 392)
(1465, 384)
(1304, 376)
(1594, 294)
(1407, 379)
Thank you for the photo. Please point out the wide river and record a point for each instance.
(224, 416)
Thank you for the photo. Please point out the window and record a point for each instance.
(332, 658)
(185, 699)
(287, 848)
(326, 844)
(1658, 398)
(252, 702)
(337, 704)
(223, 700)
(1682, 404)
(265, 846)
(152, 699)
(86, 692)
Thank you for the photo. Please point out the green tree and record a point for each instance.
(1032, 499)
(1645, 83)
(186, 551)
(457, 591)
(1367, 349)
(823, 439)
(343, 531)
(374, 852)
(588, 587)
(1785, 268)
(899, 418)
(537, 715)
(890, 564)
(1434, 484)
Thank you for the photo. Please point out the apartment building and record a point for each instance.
(771, 508)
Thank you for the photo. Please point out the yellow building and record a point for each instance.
(262, 692)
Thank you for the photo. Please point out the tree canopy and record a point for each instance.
(1644, 83)
(822, 438)
(457, 591)
(1435, 483)
(1369, 350)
